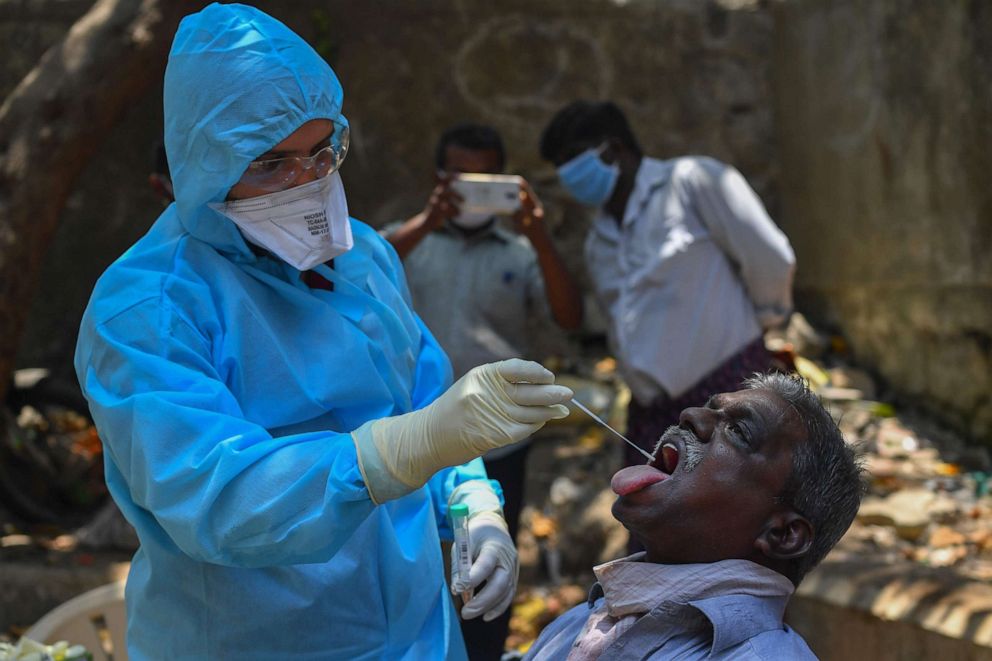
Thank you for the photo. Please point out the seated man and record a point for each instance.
(744, 497)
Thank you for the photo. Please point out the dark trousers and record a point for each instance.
(485, 640)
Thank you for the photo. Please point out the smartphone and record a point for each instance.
(488, 193)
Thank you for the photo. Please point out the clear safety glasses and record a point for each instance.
(277, 174)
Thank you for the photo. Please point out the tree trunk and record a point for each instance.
(53, 123)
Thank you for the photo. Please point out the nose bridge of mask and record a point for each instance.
(582, 164)
(278, 199)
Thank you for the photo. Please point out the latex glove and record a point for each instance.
(491, 406)
(494, 560)
(478, 496)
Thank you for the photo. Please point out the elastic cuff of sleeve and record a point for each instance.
(379, 481)
(478, 495)
(495, 518)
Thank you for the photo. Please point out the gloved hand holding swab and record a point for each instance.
(492, 405)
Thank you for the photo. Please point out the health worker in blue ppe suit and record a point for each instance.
(279, 425)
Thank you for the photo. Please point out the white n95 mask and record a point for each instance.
(304, 226)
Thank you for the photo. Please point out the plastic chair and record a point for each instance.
(95, 619)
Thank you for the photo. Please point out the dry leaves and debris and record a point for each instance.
(928, 499)
(51, 465)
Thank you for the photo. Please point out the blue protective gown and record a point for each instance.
(225, 389)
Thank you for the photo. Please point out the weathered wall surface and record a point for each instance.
(869, 120)
(694, 77)
(884, 123)
(857, 608)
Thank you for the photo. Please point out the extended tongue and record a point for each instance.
(635, 478)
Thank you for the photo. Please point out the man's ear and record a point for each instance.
(786, 535)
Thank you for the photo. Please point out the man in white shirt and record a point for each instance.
(686, 264)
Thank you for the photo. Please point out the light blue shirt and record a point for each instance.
(225, 390)
(731, 609)
(723, 627)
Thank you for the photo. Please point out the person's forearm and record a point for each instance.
(409, 234)
(564, 297)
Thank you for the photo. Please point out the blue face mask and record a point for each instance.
(588, 179)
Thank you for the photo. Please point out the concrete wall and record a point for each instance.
(858, 608)
(866, 126)
(884, 123)
(694, 76)
(848, 634)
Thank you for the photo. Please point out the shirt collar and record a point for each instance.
(740, 598)
(651, 174)
(631, 585)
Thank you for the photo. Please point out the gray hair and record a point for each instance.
(826, 484)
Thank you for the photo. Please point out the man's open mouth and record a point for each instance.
(666, 457)
(635, 478)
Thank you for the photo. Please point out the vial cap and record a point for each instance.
(461, 509)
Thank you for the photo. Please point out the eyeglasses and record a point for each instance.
(277, 174)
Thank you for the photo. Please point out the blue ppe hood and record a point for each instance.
(237, 83)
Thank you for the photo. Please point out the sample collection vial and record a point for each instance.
(463, 551)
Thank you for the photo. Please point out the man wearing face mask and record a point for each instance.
(502, 280)
(478, 288)
(278, 425)
(686, 264)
